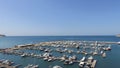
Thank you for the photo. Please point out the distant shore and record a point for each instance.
(118, 35)
(1, 35)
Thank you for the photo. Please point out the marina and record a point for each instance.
(46, 50)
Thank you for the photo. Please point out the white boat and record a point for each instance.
(83, 59)
(104, 54)
(7, 62)
(81, 64)
(74, 57)
(49, 60)
(31, 66)
(66, 62)
(35, 66)
(101, 52)
(45, 59)
(57, 66)
(90, 58)
(118, 43)
(71, 62)
(23, 55)
(78, 52)
(109, 47)
(47, 54)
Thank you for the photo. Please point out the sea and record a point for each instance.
(111, 61)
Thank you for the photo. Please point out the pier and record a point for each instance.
(67, 44)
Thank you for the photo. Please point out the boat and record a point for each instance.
(45, 59)
(104, 54)
(31, 66)
(83, 59)
(118, 43)
(23, 55)
(57, 66)
(47, 55)
(90, 59)
(101, 52)
(78, 52)
(50, 59)
(66, 62)
(109, 47)
(71, 62)
(8, 62)
(81, 64)
(17, 66)
(74, 57)
(35, 66)
(95, 53)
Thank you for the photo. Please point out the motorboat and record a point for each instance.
(57, 66)
(81, 64)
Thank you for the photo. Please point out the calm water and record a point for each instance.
(112, 60)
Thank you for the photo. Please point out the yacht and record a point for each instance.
(104, 54)
(81, 64)
(83, 59)
(109, 47)
(90, 59)
(57, 66)
(31, 66)
(23, 55)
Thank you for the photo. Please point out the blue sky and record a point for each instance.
(59, 17)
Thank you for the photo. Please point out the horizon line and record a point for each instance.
(60, 35)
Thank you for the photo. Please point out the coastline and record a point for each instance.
(1, 35)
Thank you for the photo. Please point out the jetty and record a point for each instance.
(67, 44)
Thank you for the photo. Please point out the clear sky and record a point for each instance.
(59, 17)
